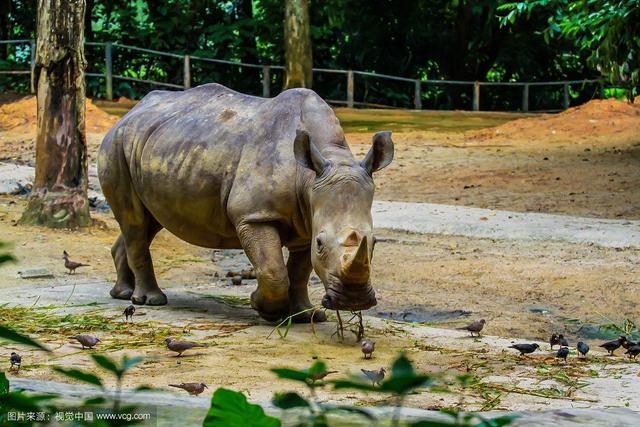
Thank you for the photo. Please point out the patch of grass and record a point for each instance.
(230, 300)
(115, 333)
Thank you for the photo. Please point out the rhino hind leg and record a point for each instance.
(125, 283)
(261, 243)
(138, 238)
(299, 268)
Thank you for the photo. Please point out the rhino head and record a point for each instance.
(340, 200)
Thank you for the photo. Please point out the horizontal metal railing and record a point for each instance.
(266, 77)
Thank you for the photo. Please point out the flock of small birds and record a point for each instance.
(367, 346)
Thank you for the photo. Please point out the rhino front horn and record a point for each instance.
(356, 267)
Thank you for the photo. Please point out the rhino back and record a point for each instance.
(208, 158)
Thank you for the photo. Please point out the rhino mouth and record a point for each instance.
(351, 297)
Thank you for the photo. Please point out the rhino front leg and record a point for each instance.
(125, 283)
(299, 268)
(261, 242)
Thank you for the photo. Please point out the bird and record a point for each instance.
(627, 344)
(320, 375)
(367, 348)
(612, 346)
(562, 353)
(474, 327)
(181, 346)
(193, 389)
(86, 340)
(554, 340)
(633, 351)
(71, 265)
(374, 376)
(563, 341)
(525, 348)
(128, 312)
(583, 348)
(16, 360)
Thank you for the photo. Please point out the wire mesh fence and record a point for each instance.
(116, 70)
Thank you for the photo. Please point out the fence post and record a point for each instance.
(417, 96)
(350, 89)
(32, 66)
(187, 72)
(266, 81)
(108, 71)
(476, 96)
(525, 97)
(566, 103)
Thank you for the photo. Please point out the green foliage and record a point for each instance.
(409, 38)
(79, 375)
(607, 31)
(231, 409)
(11, 335)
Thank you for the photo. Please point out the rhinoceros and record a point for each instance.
(221, 169)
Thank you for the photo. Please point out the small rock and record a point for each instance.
(35, 273)
(236, 280)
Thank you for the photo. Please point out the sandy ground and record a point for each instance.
(525, 289)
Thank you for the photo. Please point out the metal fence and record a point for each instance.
(342, 87)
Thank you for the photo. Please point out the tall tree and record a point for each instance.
(59, 197)
(297, 40)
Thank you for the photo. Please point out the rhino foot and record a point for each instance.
(121, 292)
(155, 297)
(318, 316)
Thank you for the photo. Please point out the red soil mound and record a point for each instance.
(21, 115)
(598, 117)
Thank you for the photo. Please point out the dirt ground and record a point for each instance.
(585, 161)
(523, 289)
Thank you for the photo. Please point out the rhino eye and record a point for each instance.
(320, 241)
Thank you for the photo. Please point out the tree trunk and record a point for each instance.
(297, 44)
(59, 197)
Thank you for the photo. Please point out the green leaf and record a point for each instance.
(94, 401)
(231, 409)
(504, 420)
(107, 364)
(12, 335)
(130, 363)
(355, 385)
(291, 374)
(4, 384)
(351, 409)
(79, 375)
(289, 400)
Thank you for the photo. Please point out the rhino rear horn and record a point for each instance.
(307, 154)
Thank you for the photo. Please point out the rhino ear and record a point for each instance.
(307, 154)
(380, 154)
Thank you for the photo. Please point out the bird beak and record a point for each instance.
(205, 386)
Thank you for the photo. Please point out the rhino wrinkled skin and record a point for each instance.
(221, 169)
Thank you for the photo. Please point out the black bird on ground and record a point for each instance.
(562, 353)
(128, 312)
(71, 265)
(563, 341)
(633, 351)
(554, 340)
(374, 376)
(612, 346)
(525, 348)
(583, 349)
(628, 344)
(474, 327)
(16, 360)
